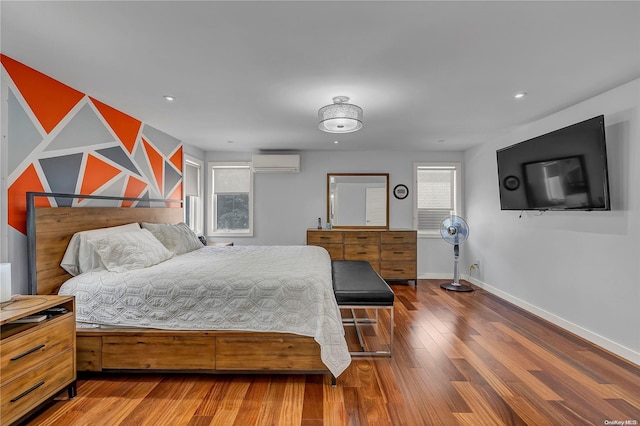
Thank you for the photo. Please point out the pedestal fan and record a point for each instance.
(455, 231)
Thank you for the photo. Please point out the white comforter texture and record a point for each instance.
(284, 289)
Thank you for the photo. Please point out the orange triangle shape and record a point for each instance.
(123, 125)
(96, 174)
(28, 181)
(176, 159)
(156, 162)
(49, 99)
(134, 189)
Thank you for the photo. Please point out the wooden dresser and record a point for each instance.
(37, 359)
(392, 253)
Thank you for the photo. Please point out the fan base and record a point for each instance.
(456, 287)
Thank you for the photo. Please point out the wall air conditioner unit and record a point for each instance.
(266, 163)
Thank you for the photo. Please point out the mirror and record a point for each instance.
(358, 200)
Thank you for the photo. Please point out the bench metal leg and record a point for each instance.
(356, 322)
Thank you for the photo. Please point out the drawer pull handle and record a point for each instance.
(325, 238)
(398, 238)
(398, 270)
(27, 392)
(362, 238)
(398, 252)
(23, 354)
(362, 252)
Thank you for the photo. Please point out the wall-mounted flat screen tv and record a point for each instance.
(562, 170)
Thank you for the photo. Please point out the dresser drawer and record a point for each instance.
(365, 237)
(398, 237)
(324, 237)
(26, 392)
(361, 252)
(336, 251)
(398, 270)
(36, 345)
(393, 252)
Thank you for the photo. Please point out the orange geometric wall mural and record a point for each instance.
(134, 189)
(176, 158)
(49, 99)
(125, 126)
(96, 174)
(155, 159)
(63, 141)
(27, 181)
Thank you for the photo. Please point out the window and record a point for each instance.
(231, 208)
(193, 205)
(438, 194)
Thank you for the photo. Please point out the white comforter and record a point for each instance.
(253, 288)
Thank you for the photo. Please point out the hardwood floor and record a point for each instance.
(459, 358)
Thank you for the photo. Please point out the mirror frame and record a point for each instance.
(385, 175)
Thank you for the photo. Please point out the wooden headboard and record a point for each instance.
(49, 230)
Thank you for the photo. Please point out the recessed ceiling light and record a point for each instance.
(230, 141)
(520, 95)
(169, 98)
(336, 142)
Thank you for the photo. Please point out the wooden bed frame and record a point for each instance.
(49, 230)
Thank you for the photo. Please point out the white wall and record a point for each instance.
(193, 151)
(577, 269)
(286, 205)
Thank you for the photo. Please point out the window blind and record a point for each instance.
(436, 197)
(231, 180)
(192, 180)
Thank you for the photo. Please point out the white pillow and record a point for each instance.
(133, 250)
(80, 256)
(177, 238)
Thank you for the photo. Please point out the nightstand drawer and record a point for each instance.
(28, 391)
(36, 345)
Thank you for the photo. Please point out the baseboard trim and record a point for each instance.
(609, 345)
(435, 276)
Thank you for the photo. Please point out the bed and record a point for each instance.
(224, 312)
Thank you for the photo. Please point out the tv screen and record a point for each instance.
(562, 170)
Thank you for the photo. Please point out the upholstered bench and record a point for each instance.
(357, 285)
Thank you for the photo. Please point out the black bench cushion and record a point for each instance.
(356, 283)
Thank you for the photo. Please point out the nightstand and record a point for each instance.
(37, 359)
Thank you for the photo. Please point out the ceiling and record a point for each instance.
(251, 76)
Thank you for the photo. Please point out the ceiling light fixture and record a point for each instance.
(340, 117)
(520, 95)
(169, 98)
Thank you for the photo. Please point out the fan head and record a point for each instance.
(454, 230)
